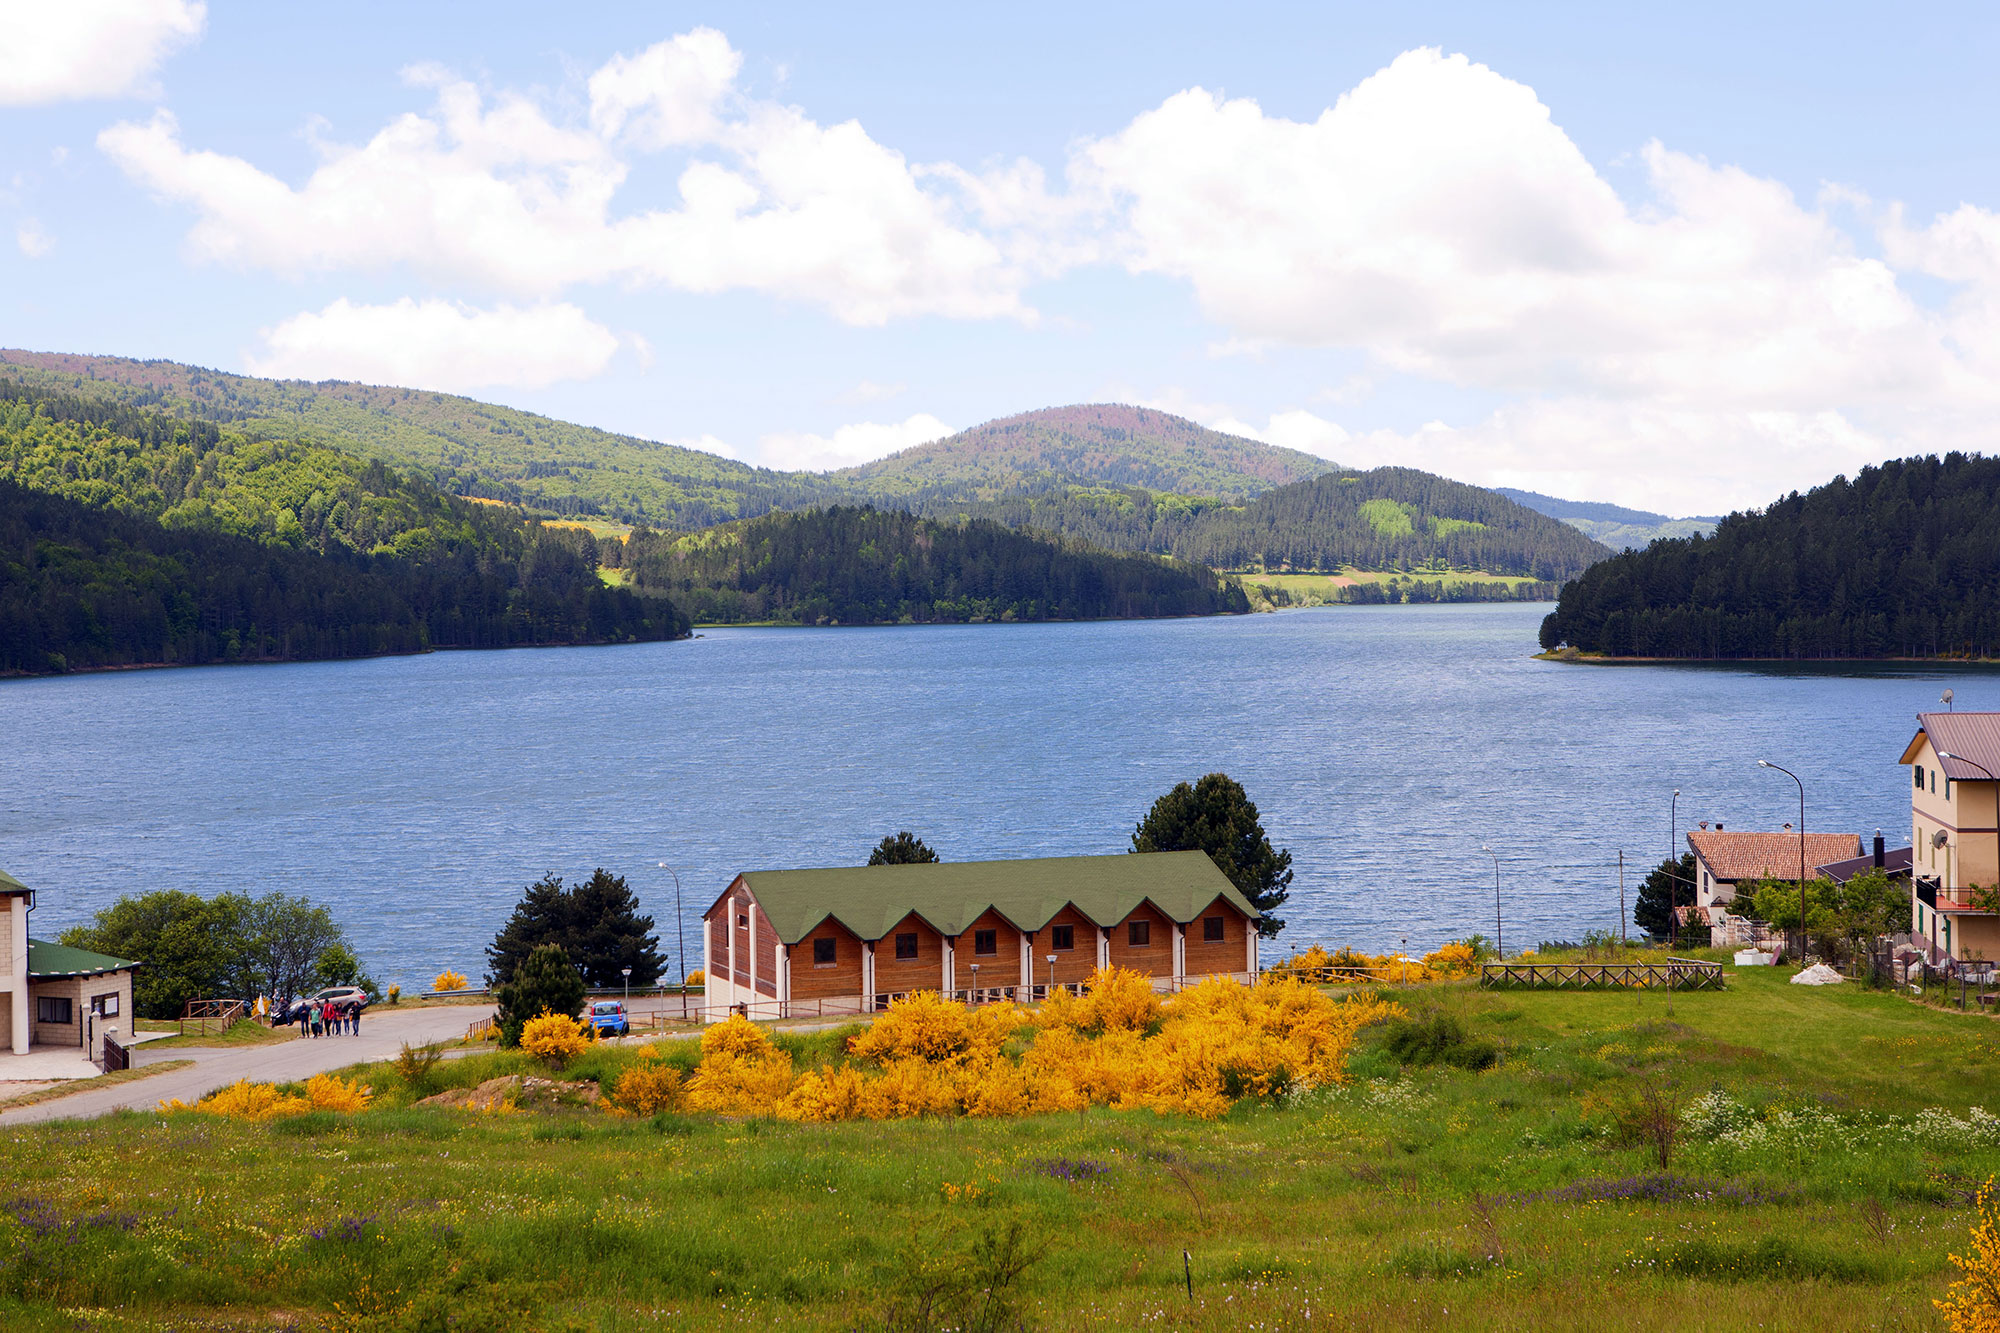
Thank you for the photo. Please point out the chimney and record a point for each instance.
(1718, 826)
(1878, 849)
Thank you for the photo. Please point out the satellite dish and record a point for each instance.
(1938, 839)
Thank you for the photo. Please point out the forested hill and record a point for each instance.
(1615, 526)
(1388, 518)
(1901, 561)
(863, 566)
(132, 538)
(1108, 443)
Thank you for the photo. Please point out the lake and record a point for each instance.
(418, 795)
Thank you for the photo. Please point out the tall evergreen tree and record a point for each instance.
(901, 849)
(545, 981)
(597, 924)
(1652, 912)
(1215, 815)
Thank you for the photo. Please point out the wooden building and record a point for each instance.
(784, 943)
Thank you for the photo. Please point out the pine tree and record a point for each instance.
(1215, 815)
(597, 925)
(1670, 884)
(544, 981)
(901, 849)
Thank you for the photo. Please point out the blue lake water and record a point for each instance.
(418, 795)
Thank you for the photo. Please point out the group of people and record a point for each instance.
(327, 1019)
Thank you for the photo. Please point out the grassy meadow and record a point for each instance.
(1821, 1156)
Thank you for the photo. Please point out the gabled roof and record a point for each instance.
(11, 887)
(1974, 735)
(1895, 861)
(59, 960)
(1732, 857)
(951, 895)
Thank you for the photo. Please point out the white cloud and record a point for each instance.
(868, 391)
(437, 345)
(34, 242)
(493, 192)
(62, 52)
(1298, 429)
(861, 442)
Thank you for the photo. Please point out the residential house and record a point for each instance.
(55, 996)
(1955, 832)
(1725, 860)
(779, 943)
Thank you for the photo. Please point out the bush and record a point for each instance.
(554, 1039)
(544, 983)
(417, 1067)
(1972, 1304)
(1439, 1038)
(395, 995)
(648, 1089)
(696, 978)
(450, 980)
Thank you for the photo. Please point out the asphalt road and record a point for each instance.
(383, 1032)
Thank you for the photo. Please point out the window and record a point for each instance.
(906, 945)
(1138, 934)
(1917, 772)
(1934, 782)
(743, 920)
(105, 1006)
(985, 941)
(823, 953)
(1211, 927)
(52, 1009)
(1062, 937)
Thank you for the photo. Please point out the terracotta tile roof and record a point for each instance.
(1733, 857)
(1974, 735)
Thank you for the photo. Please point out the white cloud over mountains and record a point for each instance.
(437, 345)
(69, 50)
(860, 442)
(1708, 341)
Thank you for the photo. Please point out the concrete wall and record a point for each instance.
(14, 1011)
(115, 988)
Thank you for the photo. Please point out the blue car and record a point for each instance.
(608, 1017)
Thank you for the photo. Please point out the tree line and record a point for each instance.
(853, 566)
(1901, 561)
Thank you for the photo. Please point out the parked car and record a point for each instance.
(347, 997)
(608, 1017)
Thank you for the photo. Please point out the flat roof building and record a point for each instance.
(784, 943)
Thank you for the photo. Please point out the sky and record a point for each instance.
(1684, 259)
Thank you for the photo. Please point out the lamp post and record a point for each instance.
(626, 973)
(680, 939)
(1674, 866)
(1499, 941)
(975, 983)
(1803, 937)
(1052, 976)
(1946, 754)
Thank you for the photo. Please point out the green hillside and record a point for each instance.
(860, 566)
(1100, 442)
(1903, 561)
(1615, 526)
(131, 537)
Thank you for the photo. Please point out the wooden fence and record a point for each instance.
(223, 1014)
(1673, 974)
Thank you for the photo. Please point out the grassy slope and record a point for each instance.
(1399, 1203)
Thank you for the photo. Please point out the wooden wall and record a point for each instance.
(1156, 957)
(924, 972)
(811, 981)
(1207, 957)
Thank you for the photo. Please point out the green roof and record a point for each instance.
(951, 895)
(10, 885)
(59, 960)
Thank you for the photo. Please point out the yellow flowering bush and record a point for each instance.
(647, 1089)
(244, 1100)
(1972, 1304)
(696, 978)
(1393, 969)
(1453, 960)
(450, 980)
(555, 1039)
(741, 1072)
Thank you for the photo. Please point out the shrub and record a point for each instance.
(244, 1100)
(544, 983)
(1453, 960)
(554, 1039)
(417, 1067)
(395, 995)
(696, 978)
(450, 980)
(329, 1092)
(1972, 1303)
(647, 1089)
(741, 1072)
(1440, 1039)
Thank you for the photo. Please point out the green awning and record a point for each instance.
(48, 961)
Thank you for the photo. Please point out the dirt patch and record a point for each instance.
(517, 1092)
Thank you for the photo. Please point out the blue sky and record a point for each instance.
(1684, 260)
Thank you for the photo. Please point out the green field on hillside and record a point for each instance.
(1826, 1155)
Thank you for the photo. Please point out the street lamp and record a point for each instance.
(1499, 941)
(1803, 938)
(626, 973)
(680, 939)
(1946, 754)
(975, 983)
(1404, 959)
(1052, 976)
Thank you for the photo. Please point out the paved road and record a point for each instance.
(383, 1032)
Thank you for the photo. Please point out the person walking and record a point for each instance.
(354, 1019)
(313, 1018)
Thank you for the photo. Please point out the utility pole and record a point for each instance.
(1621, 895)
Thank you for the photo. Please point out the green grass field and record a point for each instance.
(1824, 1193)
(1314, 589)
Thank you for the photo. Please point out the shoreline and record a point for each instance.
(1600, 659)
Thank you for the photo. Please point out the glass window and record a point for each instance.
(906, 945)
(52, 1009)
(1917, 772)
(743, 919)
(107, 1005)
(1211, 927)
(1063, 937)
(985, 941)
(1138, 934)
(823, 953)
